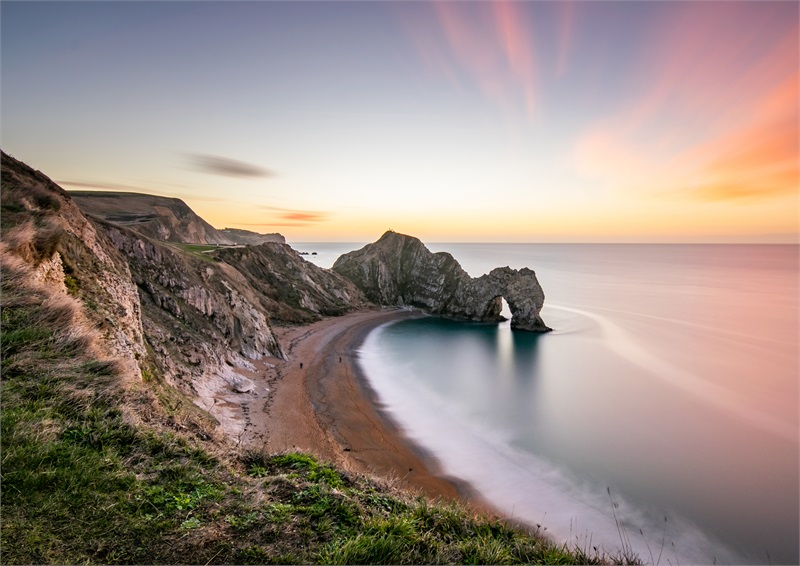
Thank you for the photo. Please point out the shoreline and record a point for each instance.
(327, 408)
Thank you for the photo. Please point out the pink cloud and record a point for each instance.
(489, 43)
(759, 159)
(291, 217)
(718, 116)
(566, 25)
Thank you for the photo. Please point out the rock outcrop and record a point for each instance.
(400, 270)
(201, 318)
(160, 218)
(291, 288)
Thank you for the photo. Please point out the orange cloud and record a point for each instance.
(290, 217)
(761, 159)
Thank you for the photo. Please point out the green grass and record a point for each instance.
(203, 251)
(86, 480)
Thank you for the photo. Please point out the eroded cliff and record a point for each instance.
(291, 288)
(201, 318)
(399, 270)
(195, 318)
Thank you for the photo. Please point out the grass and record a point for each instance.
(198, 250)
(99, 469)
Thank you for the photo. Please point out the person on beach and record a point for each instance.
(301, 365)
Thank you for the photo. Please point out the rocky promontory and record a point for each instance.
(399, 270)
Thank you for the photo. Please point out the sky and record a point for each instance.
(503, 121)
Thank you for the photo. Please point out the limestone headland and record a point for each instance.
(398, 270)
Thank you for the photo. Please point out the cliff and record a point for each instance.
(67, 253)
(291, 288)
(160, 218)
(251, 238)
(400, 270)
(201, 319)
(192, 318)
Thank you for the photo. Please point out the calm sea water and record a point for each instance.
(671, 379)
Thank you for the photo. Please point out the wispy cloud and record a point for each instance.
(219, 165)
(488, 43)
(566, 24)
(291, 217)
(760, 159)
(718, 118)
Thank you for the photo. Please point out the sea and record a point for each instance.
(660, 416)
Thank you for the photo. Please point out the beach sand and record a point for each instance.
(325, 408)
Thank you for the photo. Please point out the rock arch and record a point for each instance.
(400, 270)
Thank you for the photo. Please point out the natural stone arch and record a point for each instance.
(524, 296)
(400, 270)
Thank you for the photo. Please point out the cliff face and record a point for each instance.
(193, 317)
(400, 270)
(160, 218)
(43, 227)
(201, 318)
(291, 288)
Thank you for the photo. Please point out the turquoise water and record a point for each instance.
(670, 379)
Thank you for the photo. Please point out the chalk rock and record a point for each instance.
(242, 384)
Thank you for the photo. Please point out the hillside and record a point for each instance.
(156, 217)
(117, 354)
(251, 238)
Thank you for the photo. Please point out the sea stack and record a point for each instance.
(398, 270)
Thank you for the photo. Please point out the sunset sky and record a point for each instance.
(452, 121)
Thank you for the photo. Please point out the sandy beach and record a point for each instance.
(318, 402)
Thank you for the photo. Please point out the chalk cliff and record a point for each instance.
(400, 270)
(201, 318)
